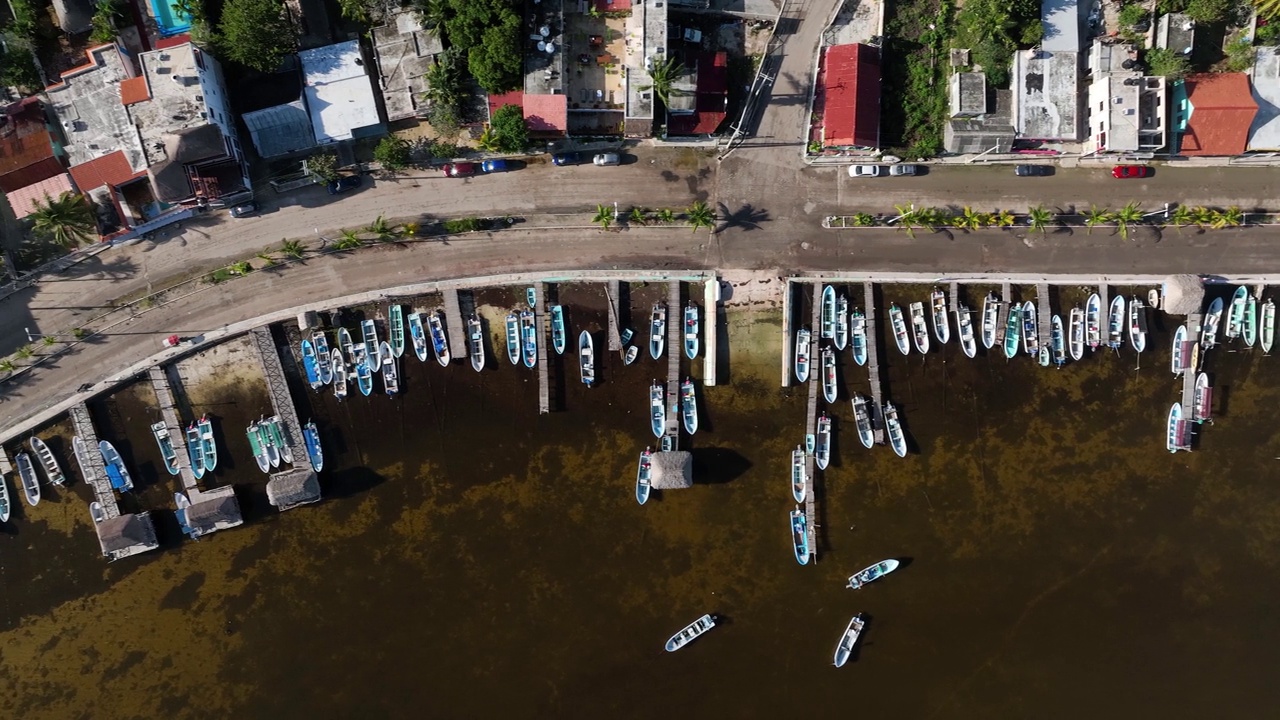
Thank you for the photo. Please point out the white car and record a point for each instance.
(607, 159)
(900, 170)
(856, 171)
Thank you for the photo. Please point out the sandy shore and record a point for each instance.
(208, 375)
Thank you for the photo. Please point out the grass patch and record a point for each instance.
(914, 95)
(462, 225)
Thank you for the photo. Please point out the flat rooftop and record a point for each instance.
(94, 119)
(1264, 133)
(1061, 20)
(170, 104)
(405, 51)
(338, 91)
(1046, 94)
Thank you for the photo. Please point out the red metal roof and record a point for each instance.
(612, 5)
(709, 105)
(851, 90)
(26, 148)
(24, 201)
(515, 97)
(546, 114)
(134, 90)
(112, 169)
(1222, 111)
(174, 41)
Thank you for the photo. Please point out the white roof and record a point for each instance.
(338, 91)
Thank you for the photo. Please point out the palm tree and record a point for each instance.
(931, 218)
(24, 352)
(1269, 9)
(409, 229)
(907, 218)
(382, 230)
(350, 240)
(66, 219)
(968, 219)
(863, 220)
(604, 217)
(293, 248)
(666, 216)
(662, 76)
(6, 366)
(1231, 217)
(1001, 218)
(49, 340)
(1130, 214)
(241, 268)
(1038, 218)
(700, 215)
(1096, 216)
(1202, 216)
(1182, 215)
(268, 258)
(636, 216)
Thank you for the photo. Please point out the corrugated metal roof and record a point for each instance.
(281, 129)
(851, 96)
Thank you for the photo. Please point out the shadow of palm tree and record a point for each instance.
(747, 217)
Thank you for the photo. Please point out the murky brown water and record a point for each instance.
(474, 558)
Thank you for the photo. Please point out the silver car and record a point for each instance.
(607, 159)
(900, 170)
(856, 171)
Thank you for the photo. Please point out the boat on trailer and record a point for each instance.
(643, 472)
(990, 318)
(1174, 429)
(258, 446)
(1249, 326)
(586, 358)
(1093, 322)
(1209, 331)
(1202, 400)
(689, 406)
(1075, 332)
(899, 325)
(1137, 324)
(1178, 355)
(941, 326)
(691, 328)
(919, 328)
(858, 329)
(690, 632)
(340, 376)
(395, 328)
(799, 474)
(657, 330)
(1115, 323)
(829, 374)
(1013, 331)
(346, 345)
(657, 410)
(802, 355)
(862, 418)
(369, 334)
(827, 331)
(1267, 328)
(873, 573)
(822, 450)
(418, 336)
(513, 339)
(52, 470)
(1057, 341)
(164, 441)
(117, 473)
(439, 341)
(315, 453)
(849, 639)
(475, 343)
(557, 329)
(800, 536)
(82, 459)
(390, 373)
(1235, 313)
(897, 439)
(310, 365)
(207, 444)
(841, 340)
(528, 339)
(964, 327)
(1030, 329)
(27, 476)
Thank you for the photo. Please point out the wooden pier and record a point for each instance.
(954, 292)
(811, 422)
(873, 362)
(1104, 312)
(1045, 326)
(1189, 374)
(542, 320)
(82, 425)
(614, 336)
(788, 334)
(710, 328)
(162, 382)
(675, 349)
(278, 389)
(454, 323)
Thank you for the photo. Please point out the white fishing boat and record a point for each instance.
(117, 473)
(858, 329)
(643, 472)
(822, 448)
(513, 338)
(873, 573)
(657, 410)
(632, 353)
(369, 335)
(1115, 323)
(1178, 355)
(418, 336)
(964, 326)
(439, 340)
(1174, 429)
(1075, 332)
(848, 640)
(919, 328)
(1093, 322)
(27, 477)
(395, 330)
(586, 359)
(862, 418)
(691, 331)
(1057, 341)
(1235, 313)
(309, 365)
(841, 340)
(96, 513)
(990, 320)
(690, 633)
(689, 406)
(323, 366)
(475, 343)
(657, 330)
(1209, 330)
(1137, 324)
(1030, 329)
(1202, 400)
(340, 377)
(160, 431)
(346, 345)
(5, 503)
(1153, 298)
(897, 439)
(941, 326)
(827, 314)
(799, 474)
(1267, 328)
(52, 470)
(802, 355)
(207, 444)
(829, 374)
(800, 536)
(1249, 326)
(558, 329)
(899, 326)
(390, 373)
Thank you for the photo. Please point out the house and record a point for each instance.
(26, 200)
(211, 511)
(290, 488)
(1176, 32)
(709, 98)
(646, 31)
(280, 130)
(1264, 80)
(1219, 111)
(28, 154)
(851, 96)
(1125, 109)
(404, 51)
(981, 120)
(1045, 81)
(339, 93)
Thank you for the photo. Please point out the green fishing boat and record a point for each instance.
(1013, 331)
(395, 326)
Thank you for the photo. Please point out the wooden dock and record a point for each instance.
(788, 334)
(1045, 325)
(278, 390)
(954, 292)
(542, 320)
(454, 323)
(1104, 312)
(811, 422)
(614, 335)
(873, 362)
(710, 328)
(1189, 375)
(162, 382)
(675, 349)
(82, 425)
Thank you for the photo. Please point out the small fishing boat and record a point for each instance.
(643, 472)
(117, 473)
(1202, 400)
(897, 439)
(96, 513)
(625, 337)
(475, 343)
(799, 474)
(899, 326)
(207, 444)
(364, 376)
(810, 443)
(691, 329)
(1178, 357)
(1042, 356)
(418, 335)
(1137, 324)
(5, 507)
(513, 339)
(27, 476)
(531, 297)
(390, 373)
(848, 640)
(964, 326)
(858, 329)
(689, 406)
(822, 451)
(827, 331)
(800, 536)
(1249, 327)
(310, 366)
(395, 328)
(82, 459)
(1013, 331)
(690, 632)
(323, 366)
(340, 377)
(802, 359)
(666, 444)
(1093, 322)
(657, 410)
(862, 418)
(440, 341)
(315, 452)
(52, 470)
(1235, 313)
(1174, 429)
(633, 352)
(657, 330)
(1075, 331)
(829, 374)
(346, 345)
(1115, 323)
(1267, 330)
(557, 329)
(919, 328)
(1030, 329)
(841, 340)
(1057, 341)
(275, 434)
(528, 339)
(180, 503)
(990, 317)
(195, 450)
(160, 432)
(586, 358)
(369, 331)
(873, 573)
(941, 326)
(258, 446)
(1153, 298)
(1209, 331)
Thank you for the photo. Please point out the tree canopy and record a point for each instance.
(256, 34)
(486, 33)
(510, 133)
(66, 219)
(498, 61)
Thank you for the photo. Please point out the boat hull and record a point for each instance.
(1075, 329)
(657, 411)
(475, 332)
(964, 328)
(841, 340)
(858, 331)
(643, 472)
(27, 478)
(513, 339)
(207, 444)
(586, 359)
(862, 418)
(800, 536)
(691, 632)
(528, 339)
(829, 389)
(395, 328)
(315, 452)
(849, 640)
(802, 358)
(1093, 322)
(689, 407)
(164, 441)
(557, 329)
(799, 474)
(822, 450)
(941, 325)
(418, 335)
(990, 316)
(439, 341)
(657, 331)
(691, 331)
(1267, 326)
(872, 573)
(899, 326)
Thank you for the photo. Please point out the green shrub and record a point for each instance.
(1240, 55)
(461, 225)
(1132, 14)
(392, 153)
(1166, 63)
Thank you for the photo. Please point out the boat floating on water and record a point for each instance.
(1178, 354)
(822, 450)
(531, 297)
(96, 513)
(829, 374)
(827, 330)
(690, 632)
(390, 373)
(364, 376)
(1153, 298)
(195, 450)
(689, 406)
(1093, 322)
(990, 317)
(643, 472)
(1115, 323)
(323, 365)
(964, 327)
(586, 358)
(310, 366)
(657, 330)
(848, 640)
(418, 336)
(800, 536)
(513, 338)
(475, 343)
(557, 329)
(1249, 326)
(625, 337)
(369, 332)
(862, 418)
(899, 326)
(919, 328)
(395, 328)
(52, 470)
(164, 441)
(897, 439)
(207, 444)
(657, 410)
(315, 453)
(1042, 356)
(858, 330)
(1030, 329)
(1075, 332)
(799, 474)
(258, 446)
(1209, 331)
(802, 355)
(841, 340)
(1267, 329)
(27, 477)
(117, 473)
(439, 340)
(1202, 400)
(1057, 342)
(1013, 331)
(941, 326)
(1235, 313)
(276, 435)
(1175, 429)
(1137, 324)
(340, 377)
(632, 353)
(873, 573)
(691, 328)
(5, 507)
(528, 339)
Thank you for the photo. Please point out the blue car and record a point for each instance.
(492, 166)
(569, 158)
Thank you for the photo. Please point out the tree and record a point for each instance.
(1096, 216)
(663, 75)
(66, 220)
(1210, 11)
(511, 133)
(967, 220)
(636, 216)
(1182, 215)
(382, 230)
(1130, 214)
(240, 268)
(293, 248)
(323, 165)
(1231, 217)
(103, 22)
(1038, 218)
(360, 11)
(1268, 9)
(700, 215)
(907, 218)
(1240, 55)
(256, 34)
(666, 216)
(863, 220)
(1166, 63)
(393, 153)
(498, 60)
(1001, 218)
(603, 217)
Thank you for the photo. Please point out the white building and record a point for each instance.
(339, 93)
(1125, 112)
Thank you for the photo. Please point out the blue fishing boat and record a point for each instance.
(657, 410)
(657, 330)
(117, 473)
(207, 444)
(873, 573)
(314, 451)
(513, 339)
(529, 338)
(364, 376)
(858, 329)
(160, 432)
(800, 536)
(827, 314)
(418, 336)
(689, 406)
(369, 333)
(822, 450)
(1212, 318)
(841, 340)
(625, 336)
(395, 328)
(475, 343)
(390, 373)
(557, 329)
(439, 341)
(643, 473)
(531, 297)
(195, 450)
(799, 474)
(323, 366)
(309, 365)
(862, 418)
(691, 327)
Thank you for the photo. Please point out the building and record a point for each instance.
(339, 94)
(28, 154)
(280, 130)
(980, 119)
(1176, 32)
(646, 32)
(851, 96)
(291, 488)
(672, 470)
(1219, 111)
(1045, 81)
(211, 511)
(708, 100)
(1264, 79)
(26, 200)
(126, 534)
(1125, 111)
(404, 52)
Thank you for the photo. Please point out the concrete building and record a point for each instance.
(404, 52)
(980, 119)
(851, 96)
(339, 93)
(1045, 81)
(1126, 109)
(708, 100)
(1176, 32)
(646, 30)
(1264, 132)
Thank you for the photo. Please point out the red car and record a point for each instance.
(462, 169)
(1124, 172)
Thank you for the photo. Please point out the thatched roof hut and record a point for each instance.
(1182, 295)
(672, 470)
(125, 535)
(212, 511)
(292, 488)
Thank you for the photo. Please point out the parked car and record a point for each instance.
(866, 171)
(248, 208)
(900, 170)
(569, 158)
(1124, 172)
(607, 159)
(345, 183)
(1033, 170)
(457, 170)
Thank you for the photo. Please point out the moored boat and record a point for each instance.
(1030, 329)
(1202, 400)
(690, 633)
(557, 329)
(862, 418)
(364, 376)
(1235, 313)
(273, 446)
(822, 450)
(180, 503)
(82, 459)
(1209, 331)
(96, 513)
(801, 362)
(858, 329)
(339, 375)
(689, 406)
(1042, 356)
(531, 297)
(276, 427)
(899, 326)
(475, 343)
(691, 329)
(164, 441)
(657, 330)
(323, 366)
(390, 373)
(1057, 341)
(528, 339)
(873, 573)
(27, 477)
(418, 336)
(990, 316)
(207, 444)
(827, 330)
(657, 410)
(1178, 355)
(586, 358)
(1174, 429)
(632, 353)
(395, 328)
(369, 333)
(1249, 326)
(1267, 327)
(52, 470)
(643, 471)
(117, 473)
(310, 366)
(1093, 322)
(799, 474)
(1075, 332)
(848, 640)
(964, 327)
(346, 345)
(1153, 299)
(1013, 331)
(513, 339)
(800, 536)
(5, 507)
(897, 439)
(919, 328)
(941, 325)
(841, 340)
(315, 453)
(258, 446)
(829, 374)
(1115, 323)
(1137, 324)
(439, 341)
